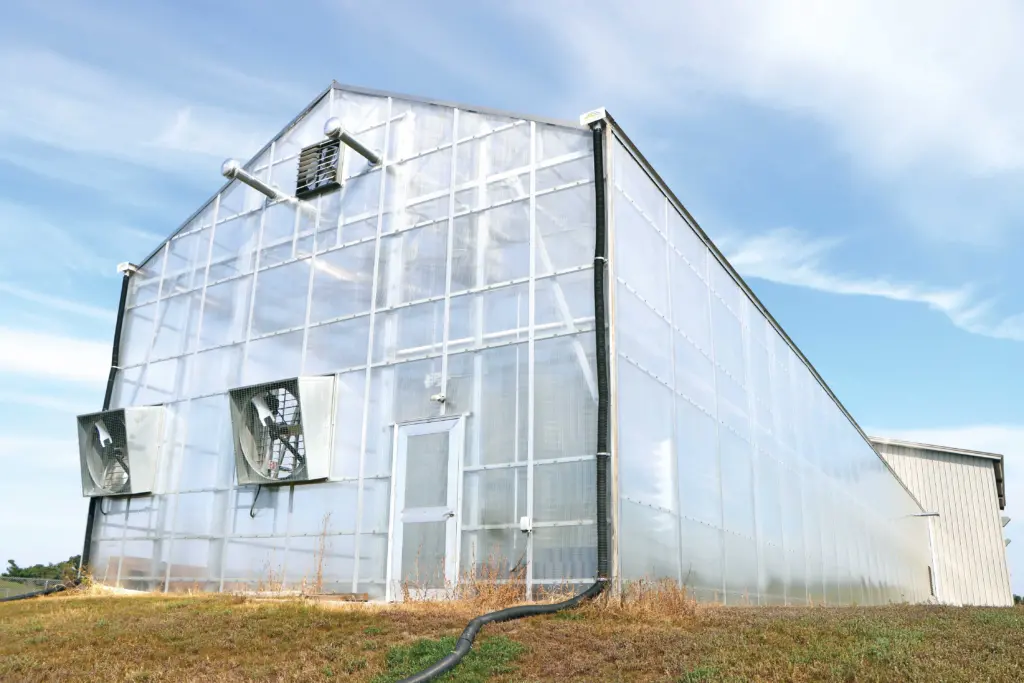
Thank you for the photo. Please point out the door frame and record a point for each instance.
(456, 427)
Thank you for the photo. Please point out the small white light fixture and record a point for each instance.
(127, 268)
(525, 525)
(593, 115)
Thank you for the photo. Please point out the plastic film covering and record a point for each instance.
(738, 475)
(458, 267)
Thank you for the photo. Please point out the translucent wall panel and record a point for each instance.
(461, 267)
(737, 474)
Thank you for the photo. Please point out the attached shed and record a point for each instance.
(967, 491)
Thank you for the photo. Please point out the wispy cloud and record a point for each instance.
(913, 91)
(24, 352)
(67, 104)
(57, 303)
(789, 257)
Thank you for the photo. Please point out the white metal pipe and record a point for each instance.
(335, 131)
(232, 170)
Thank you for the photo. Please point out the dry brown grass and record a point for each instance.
(651, 632)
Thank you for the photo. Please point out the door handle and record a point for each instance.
(449, 515)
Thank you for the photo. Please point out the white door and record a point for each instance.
(423, 548)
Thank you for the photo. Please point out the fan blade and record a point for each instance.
(263, 410)
(103, 434)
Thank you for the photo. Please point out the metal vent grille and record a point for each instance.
(318, 168)
(272, 441)
(108, 454)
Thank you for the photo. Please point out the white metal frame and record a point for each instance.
(455, 427)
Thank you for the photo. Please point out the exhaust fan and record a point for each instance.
(282, 430)
(119, 450)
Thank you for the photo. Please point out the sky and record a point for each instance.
(860, 163)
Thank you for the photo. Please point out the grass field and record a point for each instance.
(220, 638)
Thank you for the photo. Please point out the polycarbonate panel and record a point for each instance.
(487, 318)
(261, 511)
(565, 229)
(565, 492)
(216, 370)
(185, 267)
(234, 247)
(259, 560)
(766, 462)
(280, 298)
(206, 461)
(144, 285)
(565, 397)
(493, 553)
(348, 424)
(177, 320)
(494, 497)
(337, 346)
(328, 508)
(418, 127)
(321, 564)
(273, 358)
(492, 387)
(500, 151)
(491, 246)
(196, 559)
(203, 513)
(649, 545)
(137, 334)
(412, 265)
(565, 303)
(564, 552)
(342, 283)
(376, 506)
(408, 332)
(643, 336)
(646, 459)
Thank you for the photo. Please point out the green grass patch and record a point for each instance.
(489, 657)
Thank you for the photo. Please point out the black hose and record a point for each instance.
(465, 641)
(38, 594)
(90, 520)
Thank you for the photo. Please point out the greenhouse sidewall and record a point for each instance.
(451, 282)
(738, 476)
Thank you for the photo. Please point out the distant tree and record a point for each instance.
(1018, 599)
(42, 571)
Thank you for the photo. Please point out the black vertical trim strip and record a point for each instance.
(107, 397)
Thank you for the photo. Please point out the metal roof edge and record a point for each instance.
(997, 459)
(638, 155)
(938, 449)
(489, 111)
(202, 207)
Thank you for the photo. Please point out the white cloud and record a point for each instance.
(789, 257)
(35, 354)
(66, 104)
(920, 91)
(57, 303)
(1007, 440)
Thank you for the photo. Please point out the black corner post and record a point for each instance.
(601, 343)
(94, 502)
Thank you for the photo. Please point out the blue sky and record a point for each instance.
(860, 163)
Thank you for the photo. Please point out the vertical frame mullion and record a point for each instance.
(531, 357)
(360, 498)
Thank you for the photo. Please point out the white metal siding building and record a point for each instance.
(966, 489)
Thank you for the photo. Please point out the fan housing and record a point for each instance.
(282, 430)
(119, 450)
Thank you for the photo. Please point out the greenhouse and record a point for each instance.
(371, 362)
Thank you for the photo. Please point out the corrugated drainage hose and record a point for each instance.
(465, 641)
